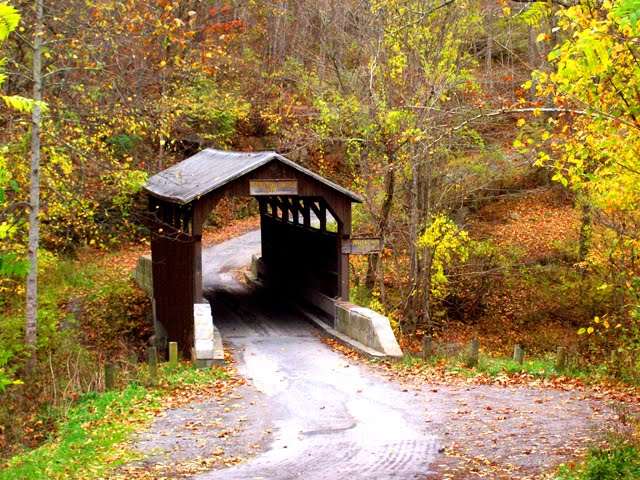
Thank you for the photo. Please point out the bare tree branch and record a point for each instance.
(421, 15)
(562, 3)
(508, 111)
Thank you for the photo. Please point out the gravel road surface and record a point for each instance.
(331, 419)
(308, 412)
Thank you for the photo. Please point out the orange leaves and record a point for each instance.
(233, 26)
(198, 449)
(214, 460)
(232, 228)
(536, 223)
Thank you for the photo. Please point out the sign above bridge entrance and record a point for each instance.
(273, 187)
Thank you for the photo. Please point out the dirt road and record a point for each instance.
(308, 412)
(330, 419)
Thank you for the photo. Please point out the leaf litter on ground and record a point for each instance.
(510, 425)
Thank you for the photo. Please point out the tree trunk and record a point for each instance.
(585, 231)
(488, 55)
(389, 187)
(413, 303)
(534, 58)
(34, 212)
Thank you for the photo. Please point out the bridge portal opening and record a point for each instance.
(305, 223)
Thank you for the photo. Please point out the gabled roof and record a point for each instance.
(211, 169)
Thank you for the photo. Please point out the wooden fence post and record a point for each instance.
(427, 347)
(152, 359)
(561, 359)
(173, 354)
(474, 350)
(109, 376)
(518, 353)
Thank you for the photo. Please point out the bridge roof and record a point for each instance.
(211, 169)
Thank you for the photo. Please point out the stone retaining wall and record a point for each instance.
(367, 327)
(144, 274)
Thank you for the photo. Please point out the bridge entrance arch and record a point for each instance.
(305, 223)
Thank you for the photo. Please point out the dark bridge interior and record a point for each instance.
(297, 254)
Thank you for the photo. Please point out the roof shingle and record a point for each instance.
(211, 169)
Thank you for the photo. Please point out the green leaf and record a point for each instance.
(18, 103)
(554, 54)
(9, 19)
(11, 266)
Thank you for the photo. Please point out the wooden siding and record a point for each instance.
(174, 263)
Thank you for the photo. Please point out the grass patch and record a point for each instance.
(493, 366)
(543, 368)
(620, 461)
(90, 435)
(89, 312)
(533, 368)
(86, 437)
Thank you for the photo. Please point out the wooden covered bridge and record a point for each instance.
(298, 251)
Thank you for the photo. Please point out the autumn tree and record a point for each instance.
(591, 143)
(10, 264)
(384, 86)
(9, 18)
(131, 87)
(125, 83)
(34, 187)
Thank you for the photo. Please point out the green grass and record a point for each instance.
(89, 436)
(493, 366)
(537, 367)
(90, 432)
(620, 461)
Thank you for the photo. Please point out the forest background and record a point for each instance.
(495, 144)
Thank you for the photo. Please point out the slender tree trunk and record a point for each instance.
(372, 267)
(488, 56)
(533, 59)
(413, 302)
(585, 231)
(427, 255)
(34, 229)
(427, 181)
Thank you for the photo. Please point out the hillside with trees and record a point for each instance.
(495, 145)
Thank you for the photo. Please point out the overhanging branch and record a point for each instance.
(562, 3)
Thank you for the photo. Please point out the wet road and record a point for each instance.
(329, 419)
(220, 262)
(313, 414)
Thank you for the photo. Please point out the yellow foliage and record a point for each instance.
(443, 242)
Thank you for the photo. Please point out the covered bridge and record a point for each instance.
(305, 222)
